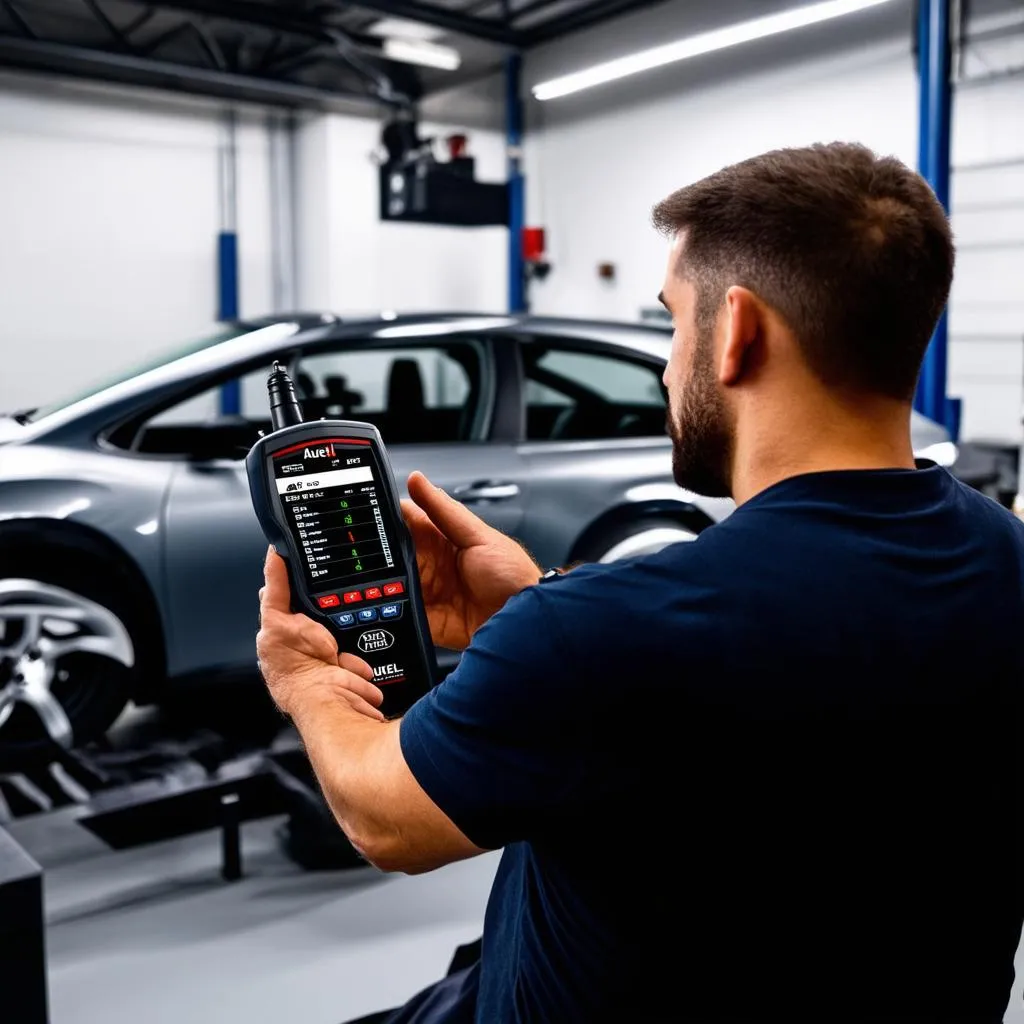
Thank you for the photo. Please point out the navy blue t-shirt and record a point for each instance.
(771, 774)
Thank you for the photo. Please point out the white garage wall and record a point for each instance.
(598, 161)
(109, 208)
(350, 262)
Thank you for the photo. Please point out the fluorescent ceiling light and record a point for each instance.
(705, 42)
(416, 51)
(403, 29)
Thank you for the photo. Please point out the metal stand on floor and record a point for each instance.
(164, 808)
(230, 838)
(223, 797)
(171, 787)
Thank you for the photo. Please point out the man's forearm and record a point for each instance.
(377, 801)
(349, 753)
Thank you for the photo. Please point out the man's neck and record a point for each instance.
(873, 438)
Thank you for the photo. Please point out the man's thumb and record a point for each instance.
(453, 519)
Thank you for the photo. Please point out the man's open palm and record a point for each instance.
(468, 570)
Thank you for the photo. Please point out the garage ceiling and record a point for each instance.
(296, 53)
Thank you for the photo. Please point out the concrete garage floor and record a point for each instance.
(154, 936)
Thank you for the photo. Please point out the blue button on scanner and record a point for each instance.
(391, 611)
(367, 614)
(344, 619)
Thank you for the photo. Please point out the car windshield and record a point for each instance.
(225, 333)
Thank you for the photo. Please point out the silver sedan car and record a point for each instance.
(130, 556)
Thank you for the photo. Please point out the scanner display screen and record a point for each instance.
(335, 511)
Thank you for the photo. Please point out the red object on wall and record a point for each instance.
(533, 244)
(456, 146)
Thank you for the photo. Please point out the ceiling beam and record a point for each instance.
(280, 20)
(441, 17)
(299, 22)
(245, 12)
(584, 17)
(532, 7)
(19, 19)
(97, 65)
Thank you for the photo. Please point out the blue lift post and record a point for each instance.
(227, 256)
(935, 94)
(516, 199)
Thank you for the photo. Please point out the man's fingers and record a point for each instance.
(364, 689)
(276, 595)
(296, 633)
(420, 526)
(453, 519)
(413, 514)
(362, 683)
(353, 663)
(360, 705)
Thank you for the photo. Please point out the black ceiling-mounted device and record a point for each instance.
(416, 187)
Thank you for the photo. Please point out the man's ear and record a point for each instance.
(743, 315)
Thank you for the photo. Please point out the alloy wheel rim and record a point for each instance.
(40, 624)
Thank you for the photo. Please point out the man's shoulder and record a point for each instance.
(990, 521)
(995, 513)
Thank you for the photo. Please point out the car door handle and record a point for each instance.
(486, 490)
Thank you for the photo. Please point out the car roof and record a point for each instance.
(260, 337)
(647, 337)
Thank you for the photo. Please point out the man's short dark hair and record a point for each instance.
(853, 250)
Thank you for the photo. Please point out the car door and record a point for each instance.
(432, 400)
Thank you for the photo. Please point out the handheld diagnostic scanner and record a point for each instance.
(325, 496)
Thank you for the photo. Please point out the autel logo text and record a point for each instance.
(323, 452)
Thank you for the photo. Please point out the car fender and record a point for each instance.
(116, 502)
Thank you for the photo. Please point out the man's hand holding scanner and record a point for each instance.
(468, 570)
(299, 658)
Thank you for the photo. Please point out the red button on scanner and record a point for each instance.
(390, 589)
(330, 601)
(351, 596)
(371, 593)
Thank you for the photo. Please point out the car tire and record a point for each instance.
(636, 538)
(68, 652)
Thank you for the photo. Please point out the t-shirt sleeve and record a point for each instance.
(499, 745)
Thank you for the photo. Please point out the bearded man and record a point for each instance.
(770, 775)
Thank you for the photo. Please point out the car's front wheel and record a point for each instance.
(67, 657)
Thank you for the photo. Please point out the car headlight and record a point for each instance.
(944, 453)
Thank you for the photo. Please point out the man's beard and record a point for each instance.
(701, 432)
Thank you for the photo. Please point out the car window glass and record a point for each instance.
(573, 395)
(541, 394)
(425, 394)
(197, 428)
